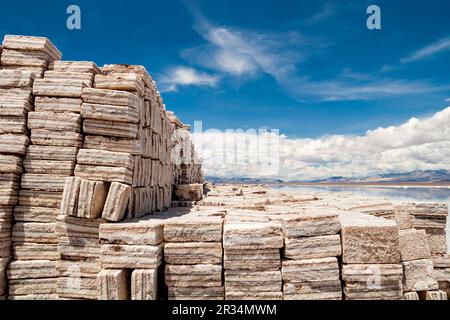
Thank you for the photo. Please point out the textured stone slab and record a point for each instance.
(17, 94)
(16, 78)
(133, 232)
(24, 58)
(110, 128)
(131, 256)
(112, 144)
(253, 281)
(13, 144)
(40, 198)
(413, 245)
(85, 77)
(317, 290)
(51, 153)
(441, 261)
(54, 138)
(437, 240)
(310, 270)
(193, 253)
(418, 276)
(310, 223)
(43, 182)
(55, 104)
(193, 276)
(35, 251)
(105, 158)
(312, 247)
(75, 269)
(91, 199)
(436, 295)
(188, 192)
(194, 229)
(372, 272)
(116, 202)
(34, 297)
(35, 214)
(113, 285)
(69, 202)
(14, 107)
(255, 296)
(134, 69)
(256, 260)
(402, 215)
(208, 293)
(411, 296)
(46, 120)
(10, 164)
(13, 125)
(77, 227)
(6, 212)
(34, 232)
(32, 269)
(31, 44)
(70, 88)
(78, 248)
(74, 66)
(77, 288)
(370, 240)
(110, 113)
(120, 81)
(110, 97)
(252, 235)
(59, 168)
(103, 173)
(144, 285)
(33, 286)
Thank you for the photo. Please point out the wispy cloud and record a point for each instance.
(328, 10)
(418, 144)
(428, 51)
(184, 76)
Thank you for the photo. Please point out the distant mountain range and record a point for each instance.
(429, 176)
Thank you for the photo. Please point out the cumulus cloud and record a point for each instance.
(185, 76)
(418, 144)
(428, 51)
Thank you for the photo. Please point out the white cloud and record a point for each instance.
(328, 10)
(428, 51)
(418, 144)
(185, 76)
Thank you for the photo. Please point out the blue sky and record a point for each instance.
(308, 68)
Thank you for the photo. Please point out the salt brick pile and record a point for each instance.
(310, 266)
(258, 244)
(32, 273)
(193, 258)
(131, 253)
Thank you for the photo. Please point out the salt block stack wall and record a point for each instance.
(31, 273)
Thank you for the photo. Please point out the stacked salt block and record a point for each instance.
(252, 259)
(433, 219)
(193, 257)
(188, 192)
(14, 107)
(310, 267)
(79, 247)
(371, 267)
(24, 58)
(134, 246)
(416, 260)
(442, 272)
(28, 53)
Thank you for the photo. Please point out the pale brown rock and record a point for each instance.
(13, 144)
(46, 120)
(32, 269)
(35, 214)
(57, 104)
(77, 228)
(188, 192)
(69, 202)
(10, 164)
(116, 175)
(51, 153)
(191, 253)
(312, 247)
(311, 270)
(74, 66)
(120, 81)
(35, 251)
(418, 276)
(411, 296)
(91, 199)
(59, 168)
(40, 198)
(413, 245)
(110, 128)
(113, 285)
(255, 296)
(133, 232)
(193, 276)
(310, 223)
(16, 78)
(14, 107)
(24, 58)
(112, 144)
(85, 77)
(131, 256)
(110, 113)
(436, 295)
(402, 216)
(34, 232)
(207, 293)
(71, 247)
(116, 202)
(70, 88)
(194, 229)
(144, 285)
(110, 97)
(54, 138)
(105, 158)
(40, 286)
(316, 290)
(43, 182)
(253, 281)
(257, 235)
(32, 44)
(13, 125)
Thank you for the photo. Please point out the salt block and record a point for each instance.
(32, 269)
(105, 158)
(125, 82)
(110, 97)
(255, 296)
(310, 270)
(35, 251)
(311, 223)
(59, 168)
(413, 245)
(253, 281)
(312, 247)
(403, 216)
(91, 199)
(248, 235)
(196, 293)
(16, 78)
(54, 138)
(34, 232)
(188, 192)
(47, 120)
(255, 260)
(419, 276)
(35, 214)
(71, 192)
(316, 290)
(43, 182)
(113, 285)
(40, 198)
(144, 285)
(52, 153)
(40, 286)
(369, 240)
(134, 232)
(186, 253)
(57, 104)
(411, 296)
(131, 256)
(193, 229)
(193, 276)
(116, 202)
(436, 295)
(31, 43)
(74, 66)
